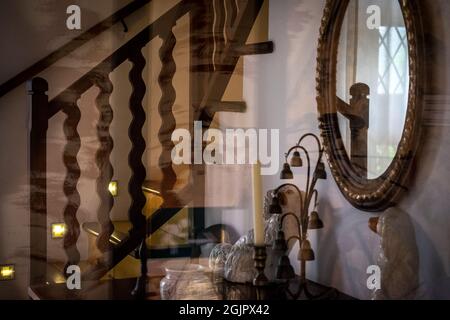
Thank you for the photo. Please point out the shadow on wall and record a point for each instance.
(289, 62)
(431, 269)
(298, 23)
(397, 255)
(344, 249)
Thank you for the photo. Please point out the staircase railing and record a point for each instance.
(205, 100)
(72, 45)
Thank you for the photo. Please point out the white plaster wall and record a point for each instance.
(280, 88)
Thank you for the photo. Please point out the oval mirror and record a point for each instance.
(372, 63)
(369, 96)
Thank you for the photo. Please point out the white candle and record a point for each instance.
(258, 220)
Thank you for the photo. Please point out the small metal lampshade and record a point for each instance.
(306, 253)
(284, 269)
(274, 207)
(280, 242)
(320, 172)
(314, 221)
(286, 173)
(296, 160)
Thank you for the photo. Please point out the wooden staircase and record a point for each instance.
(217, 41)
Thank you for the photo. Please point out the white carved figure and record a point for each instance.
(398, 257)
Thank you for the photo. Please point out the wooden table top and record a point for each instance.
(120, 289)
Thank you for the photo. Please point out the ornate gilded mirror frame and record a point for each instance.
(363, 193)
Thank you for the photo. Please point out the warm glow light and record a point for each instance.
(58, 230)
(7, 272)
(113, 188)
(150, 190)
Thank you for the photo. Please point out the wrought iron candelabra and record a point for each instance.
(307, 219)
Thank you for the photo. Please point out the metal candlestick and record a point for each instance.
(260, 257)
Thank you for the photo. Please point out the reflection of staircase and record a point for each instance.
(171, 240)
(217, 41)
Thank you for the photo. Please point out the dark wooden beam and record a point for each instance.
(255, 48)
(227, 106)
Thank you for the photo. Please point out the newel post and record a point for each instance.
(359, 126)
(38, 102)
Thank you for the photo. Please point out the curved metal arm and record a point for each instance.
(319, 145)
(286, 155)
(310, 183)
(308, 176)
(308, 160)
(293, 237)
(316, 194)
(310, 193)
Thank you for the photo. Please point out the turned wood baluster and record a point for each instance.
(219, 31)
(73, 172)
(231, 12)
(138, 171)
(225, 14)
(165, 109)
(103, 162)
(135, 162)
(38, 179)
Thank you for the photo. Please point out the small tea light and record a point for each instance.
(7, 272)
(113, 188)
(58, 230)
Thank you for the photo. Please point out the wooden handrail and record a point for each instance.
(70, 46)
(119, 56)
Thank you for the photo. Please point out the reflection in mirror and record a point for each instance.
(372, 83)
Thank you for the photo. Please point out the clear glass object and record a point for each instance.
(239, 267)
(218, 257)
(239, 263)
(187, 282)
